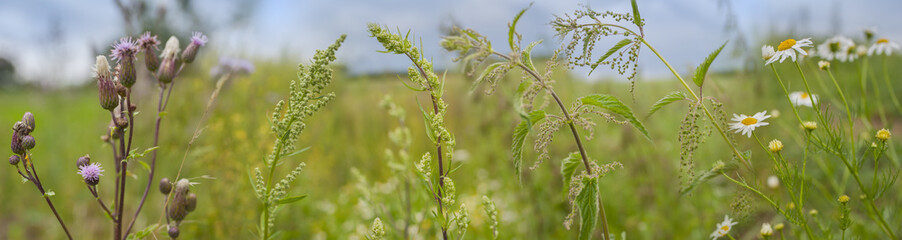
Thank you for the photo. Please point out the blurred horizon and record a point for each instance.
(64, 35)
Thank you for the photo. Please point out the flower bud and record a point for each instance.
(105, 85)
(778, 227)
(843, 199)
(28, 120)
(125, 52)
(173, 231)
(170, 56)
(20, 128)
(197, 40)
(121, 90)
(121, 122)
(773, 182)
(132, 107)
(148, 44)
(775, 145)
(809, 125)
(14, 160)
(766, 230)
(883, 134)
(813, 212)
(28, 142)
(165, 185)
(823, 65)
(179, 207)
(191, 202)
(83, 161)
(16, 144)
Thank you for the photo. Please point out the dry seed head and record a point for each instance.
(883, 134)
(775, 145)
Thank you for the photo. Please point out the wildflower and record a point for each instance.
(28, 120)
(861, 51)
(197, 40)
(843, 199)
(105, 85)
(813, 212)
(232, 65)
(773, 182)
(789, 48)
(834, 48)
(802, 99)
(14, 160)
(775, 145)
(869, 33)
(83, 161)
(28, 142)
(767, 52)
(125, 52)
(170, 59)
(778, 227)
(378, 229)
(823, 65)
(149, 45)
(774, 113)
(746, 124)
(766, 230)
(91, 173)
(173, 230)
(809, 125)
(851, 54)
(723, 228)
(883, 134)
(883, 47)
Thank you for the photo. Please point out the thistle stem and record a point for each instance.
(153, 159)
(37, 183)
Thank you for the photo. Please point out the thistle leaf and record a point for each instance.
(702, 69)
(614, 105)
(667, 99)
(610, 52)
(520, 133)
(587, 203)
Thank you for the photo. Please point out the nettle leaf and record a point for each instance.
(512, 31)
(520, 133)
(292, 199)
(587, 204)
(702, 69)
(614, 105)
(527, 55)
(485, 73)
(667, 99)
(610, 52)
(568, 167)
(636, 18)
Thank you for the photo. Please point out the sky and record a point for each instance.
(684, 31)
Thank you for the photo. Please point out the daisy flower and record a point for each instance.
(802, 99)
(723, 228)
(883, 46)
(789, 48)
(773, 182)
(766, 230)
(746, 124)
(767, 52)
(834, 48)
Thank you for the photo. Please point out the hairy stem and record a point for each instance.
(37, 183)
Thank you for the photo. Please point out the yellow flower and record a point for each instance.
(883, 134)
(843, 199)
(809, 125)
(775, 145)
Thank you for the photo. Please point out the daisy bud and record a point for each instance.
(778, 227)
(869, 34)
(14, 160)
(791, 206)
(16, 145)
(173, 231)
(823, 65)
(767, 52)
(165, 185)
(843, 199)
(28, 142)
(883, 134)
(775, 145)
(809, 125)
(766, 230)
(28, 120)
(148, 44)
(91, 173)
(125, 52)
(170, 60)
(197, 40)
(191, 202)
(813, 212)
(773, 182)
(83, 161)
(863, 196)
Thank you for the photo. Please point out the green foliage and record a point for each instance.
(587, 204)
(614, 49)
(568, 167)
(702, 70)
(667, 99)
(520, 133)
(614, 105)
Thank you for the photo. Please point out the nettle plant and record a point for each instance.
(306, 97)
(837, 138)
(475, 50)
(115, 87)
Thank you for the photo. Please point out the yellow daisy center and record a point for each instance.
(804, 95)
(749, 121)
(725, 228)
(786, 44)
(883, 40)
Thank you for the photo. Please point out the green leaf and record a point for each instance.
(486, 73)
(144, 232)
(636, 18)
(587, 204)
(702, 69)
(297, 152)
(513, 27)
(520, 133)
(428, 121)
(527, 55)
(568, 166)
(614, 105)
(667, 99)
(610, 52)
(144, 164)
(292, 199)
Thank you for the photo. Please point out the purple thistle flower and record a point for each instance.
(146, 41)
(91, 173)
(198, 38)
(232, 65)
(125, 48)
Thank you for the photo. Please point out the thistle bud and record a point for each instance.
(197, 40)
(20, 128)
(125, 52)
(14, 160)
(148, 44)
(28, 120)
(121, 122)
(191, 202)
(28, 142)
(132, 107)
(170, 60)
(165, 185)
(83, 161)
(179, 207)
(105, 85)
(16, 144)
(883, 134)
(173, 231)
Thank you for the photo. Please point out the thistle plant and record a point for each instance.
(476, 50)
(288, 121)
(439, 186)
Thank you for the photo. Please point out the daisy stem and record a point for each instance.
(792, 197)
(786, 92)
(862, 75)
(848, 112)
(699, 100)
(889, 86)
(817, 108)
(731, 237)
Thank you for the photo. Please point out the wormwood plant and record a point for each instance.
(585, 196)
(440, 187)
(833, 140)
(287, 123)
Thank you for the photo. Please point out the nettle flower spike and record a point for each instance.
(149, 45)
(125, 52)
(170, 56)
(109, 98)
(197, 40)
